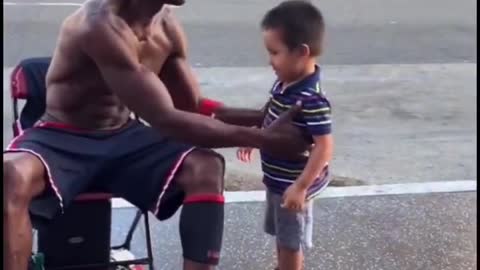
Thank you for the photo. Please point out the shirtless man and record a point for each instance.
(114, 57)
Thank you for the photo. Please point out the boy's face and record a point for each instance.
(287, 64)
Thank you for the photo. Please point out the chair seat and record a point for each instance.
(93, 196)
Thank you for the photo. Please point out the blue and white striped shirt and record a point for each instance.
(315, 120)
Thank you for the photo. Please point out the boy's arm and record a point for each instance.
(294, 197)
(317, 119)
(320, 155)
(316, 113)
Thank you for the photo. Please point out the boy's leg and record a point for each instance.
(270, 220)
(293, 236)
(290, 259)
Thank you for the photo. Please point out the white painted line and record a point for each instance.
(43, 4)
(352, 191)
(58, 4)
(121, 203)
(398, 189)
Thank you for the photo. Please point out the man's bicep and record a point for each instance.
(177, 73)
(179, 78)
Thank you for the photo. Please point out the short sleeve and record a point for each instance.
(317, 115)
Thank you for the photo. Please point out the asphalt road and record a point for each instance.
(407, 232)
(402, 78)
(226, 33)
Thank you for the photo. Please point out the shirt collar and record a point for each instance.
(306, 82)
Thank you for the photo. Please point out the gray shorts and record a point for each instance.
(292, 230)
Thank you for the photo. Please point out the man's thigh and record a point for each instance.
(67, 161)
(142, 170)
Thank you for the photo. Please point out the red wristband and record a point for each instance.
(209, 106)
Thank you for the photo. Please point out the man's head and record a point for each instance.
(174, 2)
(293, 35)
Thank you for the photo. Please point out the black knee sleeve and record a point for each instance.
(201, 228)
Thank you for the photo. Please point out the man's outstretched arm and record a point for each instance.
(143, 92)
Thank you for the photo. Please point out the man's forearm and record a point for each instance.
(205, 131)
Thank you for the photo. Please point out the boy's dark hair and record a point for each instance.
(300, 22)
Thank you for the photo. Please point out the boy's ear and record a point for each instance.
(304, 50)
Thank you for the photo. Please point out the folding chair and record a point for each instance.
(65, 240)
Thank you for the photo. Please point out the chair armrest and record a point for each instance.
(18, 84)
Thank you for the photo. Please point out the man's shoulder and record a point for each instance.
(93, 18)
(170, 24)
(103, 31)
(101, 24)
(167, 15)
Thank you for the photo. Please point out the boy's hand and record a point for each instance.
(244, 154)
(294, 198)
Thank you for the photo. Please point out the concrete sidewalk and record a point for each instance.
(392, 232)
(393, 123)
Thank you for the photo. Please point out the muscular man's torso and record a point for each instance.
(76, 93)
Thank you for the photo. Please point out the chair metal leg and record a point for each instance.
(128, 239)
(126, 245)
(136, 220)
(149, 241)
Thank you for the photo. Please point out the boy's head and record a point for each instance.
(293, 35)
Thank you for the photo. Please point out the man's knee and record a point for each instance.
(20, 183)
(203, 170)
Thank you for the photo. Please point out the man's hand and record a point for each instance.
(294, 198)
(285, 140)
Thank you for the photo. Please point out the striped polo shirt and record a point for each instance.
(315, 120)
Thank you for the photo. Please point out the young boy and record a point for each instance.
(293, 36)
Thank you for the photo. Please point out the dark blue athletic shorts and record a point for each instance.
(134, 162)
